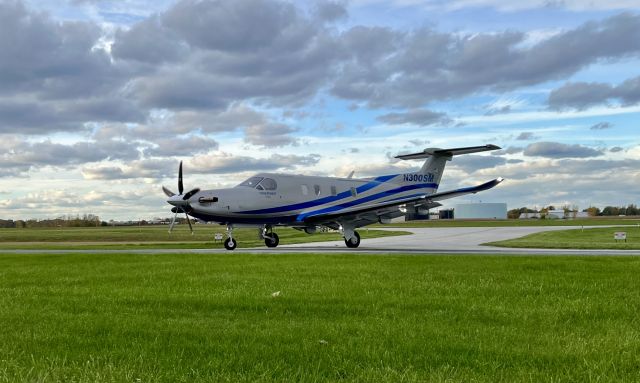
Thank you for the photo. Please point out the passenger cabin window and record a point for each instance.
(252, 182)
(268, 184)
(316, 188)
(305, 189)
(354, 192)
(333, 191)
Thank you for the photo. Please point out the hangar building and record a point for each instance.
(481, 211)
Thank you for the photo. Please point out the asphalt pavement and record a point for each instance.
(450, 240)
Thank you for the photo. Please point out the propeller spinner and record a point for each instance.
(180, 205)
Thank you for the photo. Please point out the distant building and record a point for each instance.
(555, 214)
(481, 211)
(446, 214)
(529, 216)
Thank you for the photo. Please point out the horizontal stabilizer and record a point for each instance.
(447, 152)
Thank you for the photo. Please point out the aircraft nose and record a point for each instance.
(177, 201)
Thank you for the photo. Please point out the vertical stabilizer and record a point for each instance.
(437, 158)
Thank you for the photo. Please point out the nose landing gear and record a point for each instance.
(230, 243)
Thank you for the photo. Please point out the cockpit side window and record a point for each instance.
(252, 182)
(269, 184)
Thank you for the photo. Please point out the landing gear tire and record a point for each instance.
(273, 241)
(230, 244)
(354, 241)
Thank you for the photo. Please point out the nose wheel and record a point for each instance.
(230, 243)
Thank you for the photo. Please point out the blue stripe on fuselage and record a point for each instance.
(321, 201)
(370, 198)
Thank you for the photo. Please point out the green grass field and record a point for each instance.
(597, 221)
(132, 237)
(349, 318)
(598, 238)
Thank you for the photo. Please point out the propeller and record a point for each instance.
(180, 207)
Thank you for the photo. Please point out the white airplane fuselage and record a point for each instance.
(305, 202)
(296, 197)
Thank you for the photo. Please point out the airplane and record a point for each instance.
(267, 200)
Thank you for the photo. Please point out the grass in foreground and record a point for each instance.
(193, 318)
(131, 237)
(599, 238)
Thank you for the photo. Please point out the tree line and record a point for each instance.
(86, 220)
(593, 211)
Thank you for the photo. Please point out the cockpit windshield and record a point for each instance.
(252, 182)
(260, 183)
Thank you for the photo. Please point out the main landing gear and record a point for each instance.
(354, 241)
(271, 239)
(351, 237)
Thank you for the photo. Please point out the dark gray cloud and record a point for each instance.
(471, 163)
(581, 95)
(52, 59)
(596, 167)
(616, 149)
(226, 163)
(509, 150)
(410, 69)
(23, 155)
(53, 77)
(42, 117)
(559, 150)
(181, 146)
(148, 168)
(279, 56)
(420, 117)
(194, 57)
(526, 136)
(629, 91)
(331, 11)
(270, 135)
(601, 126)
(149, 42)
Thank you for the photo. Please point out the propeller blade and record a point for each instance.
(190, 193)
(168, 192)
(173, 222)
(189, 222)
(180, 188)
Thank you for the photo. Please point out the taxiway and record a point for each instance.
(453, 240)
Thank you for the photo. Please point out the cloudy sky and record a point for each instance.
(100, 99)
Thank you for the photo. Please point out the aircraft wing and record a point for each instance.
(463, 191)
(380, 207)
(369, 213)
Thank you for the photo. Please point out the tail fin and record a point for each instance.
(437, 158)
